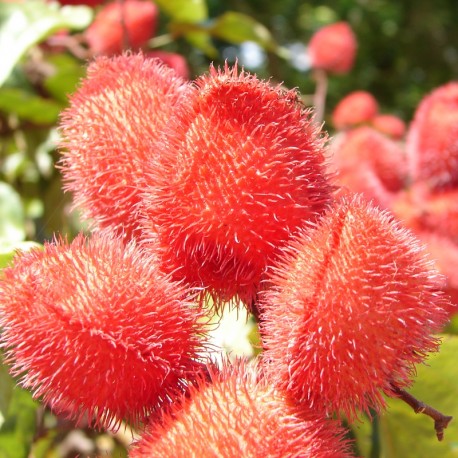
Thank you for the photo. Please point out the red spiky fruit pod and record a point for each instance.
(390, 125)
(356, 108)
(364, 146)
(243, 169)
(109, 132)
(117, 25)
(432, 138)
(94, 329)
(351, 310)
(333, 48)
(240, 414)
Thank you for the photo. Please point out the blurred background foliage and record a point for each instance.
(405, 49)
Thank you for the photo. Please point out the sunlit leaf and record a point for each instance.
(6, 392)
(231, 336)
(43, 153)
(202, 41)
(24, 24)
(11, 214)
(238, 27)
(42, 447)
(254, 337)
(9, 249)
(232, 27)
(17, 431)
(184, 15)
(14, 164)
(185, 10)
(196, 34)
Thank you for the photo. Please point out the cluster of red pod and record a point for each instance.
(220, 189)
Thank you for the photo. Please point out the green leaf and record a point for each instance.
(191, 11)
(254, 336)
(17, 432)
(67, 73)
(232, 27)
(42, 448)
(24, 24)
(6, 392)
(405, 434)
(29, 106)
(238, 27)
(9, 249)
(43, 153)
(11, 214)
(202, 41)
(363, 432)
(185, 14)
(14, 165)
(196, 34)
(452, 326)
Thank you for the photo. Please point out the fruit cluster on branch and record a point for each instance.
(220, 189)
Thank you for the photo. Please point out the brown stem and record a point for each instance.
(72, 43)
(319, 98)
(255, 311)
(125, 32)
(441, 421)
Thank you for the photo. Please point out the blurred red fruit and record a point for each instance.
(243, 169)
(333, 48)
(356, 108)
(91, 3)
(445, 255)
(435, 212)
(109, 131)
(365, 147)
(364, 180)
(119, 25)
(172, 60)
(432, 139)
(240, 415)
(389, 125)
(355, 297)
(407, 208)
(439, 214)
(93, 328)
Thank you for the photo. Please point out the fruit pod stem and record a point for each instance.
(319, 97)
(125, 33)
(441, 421)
